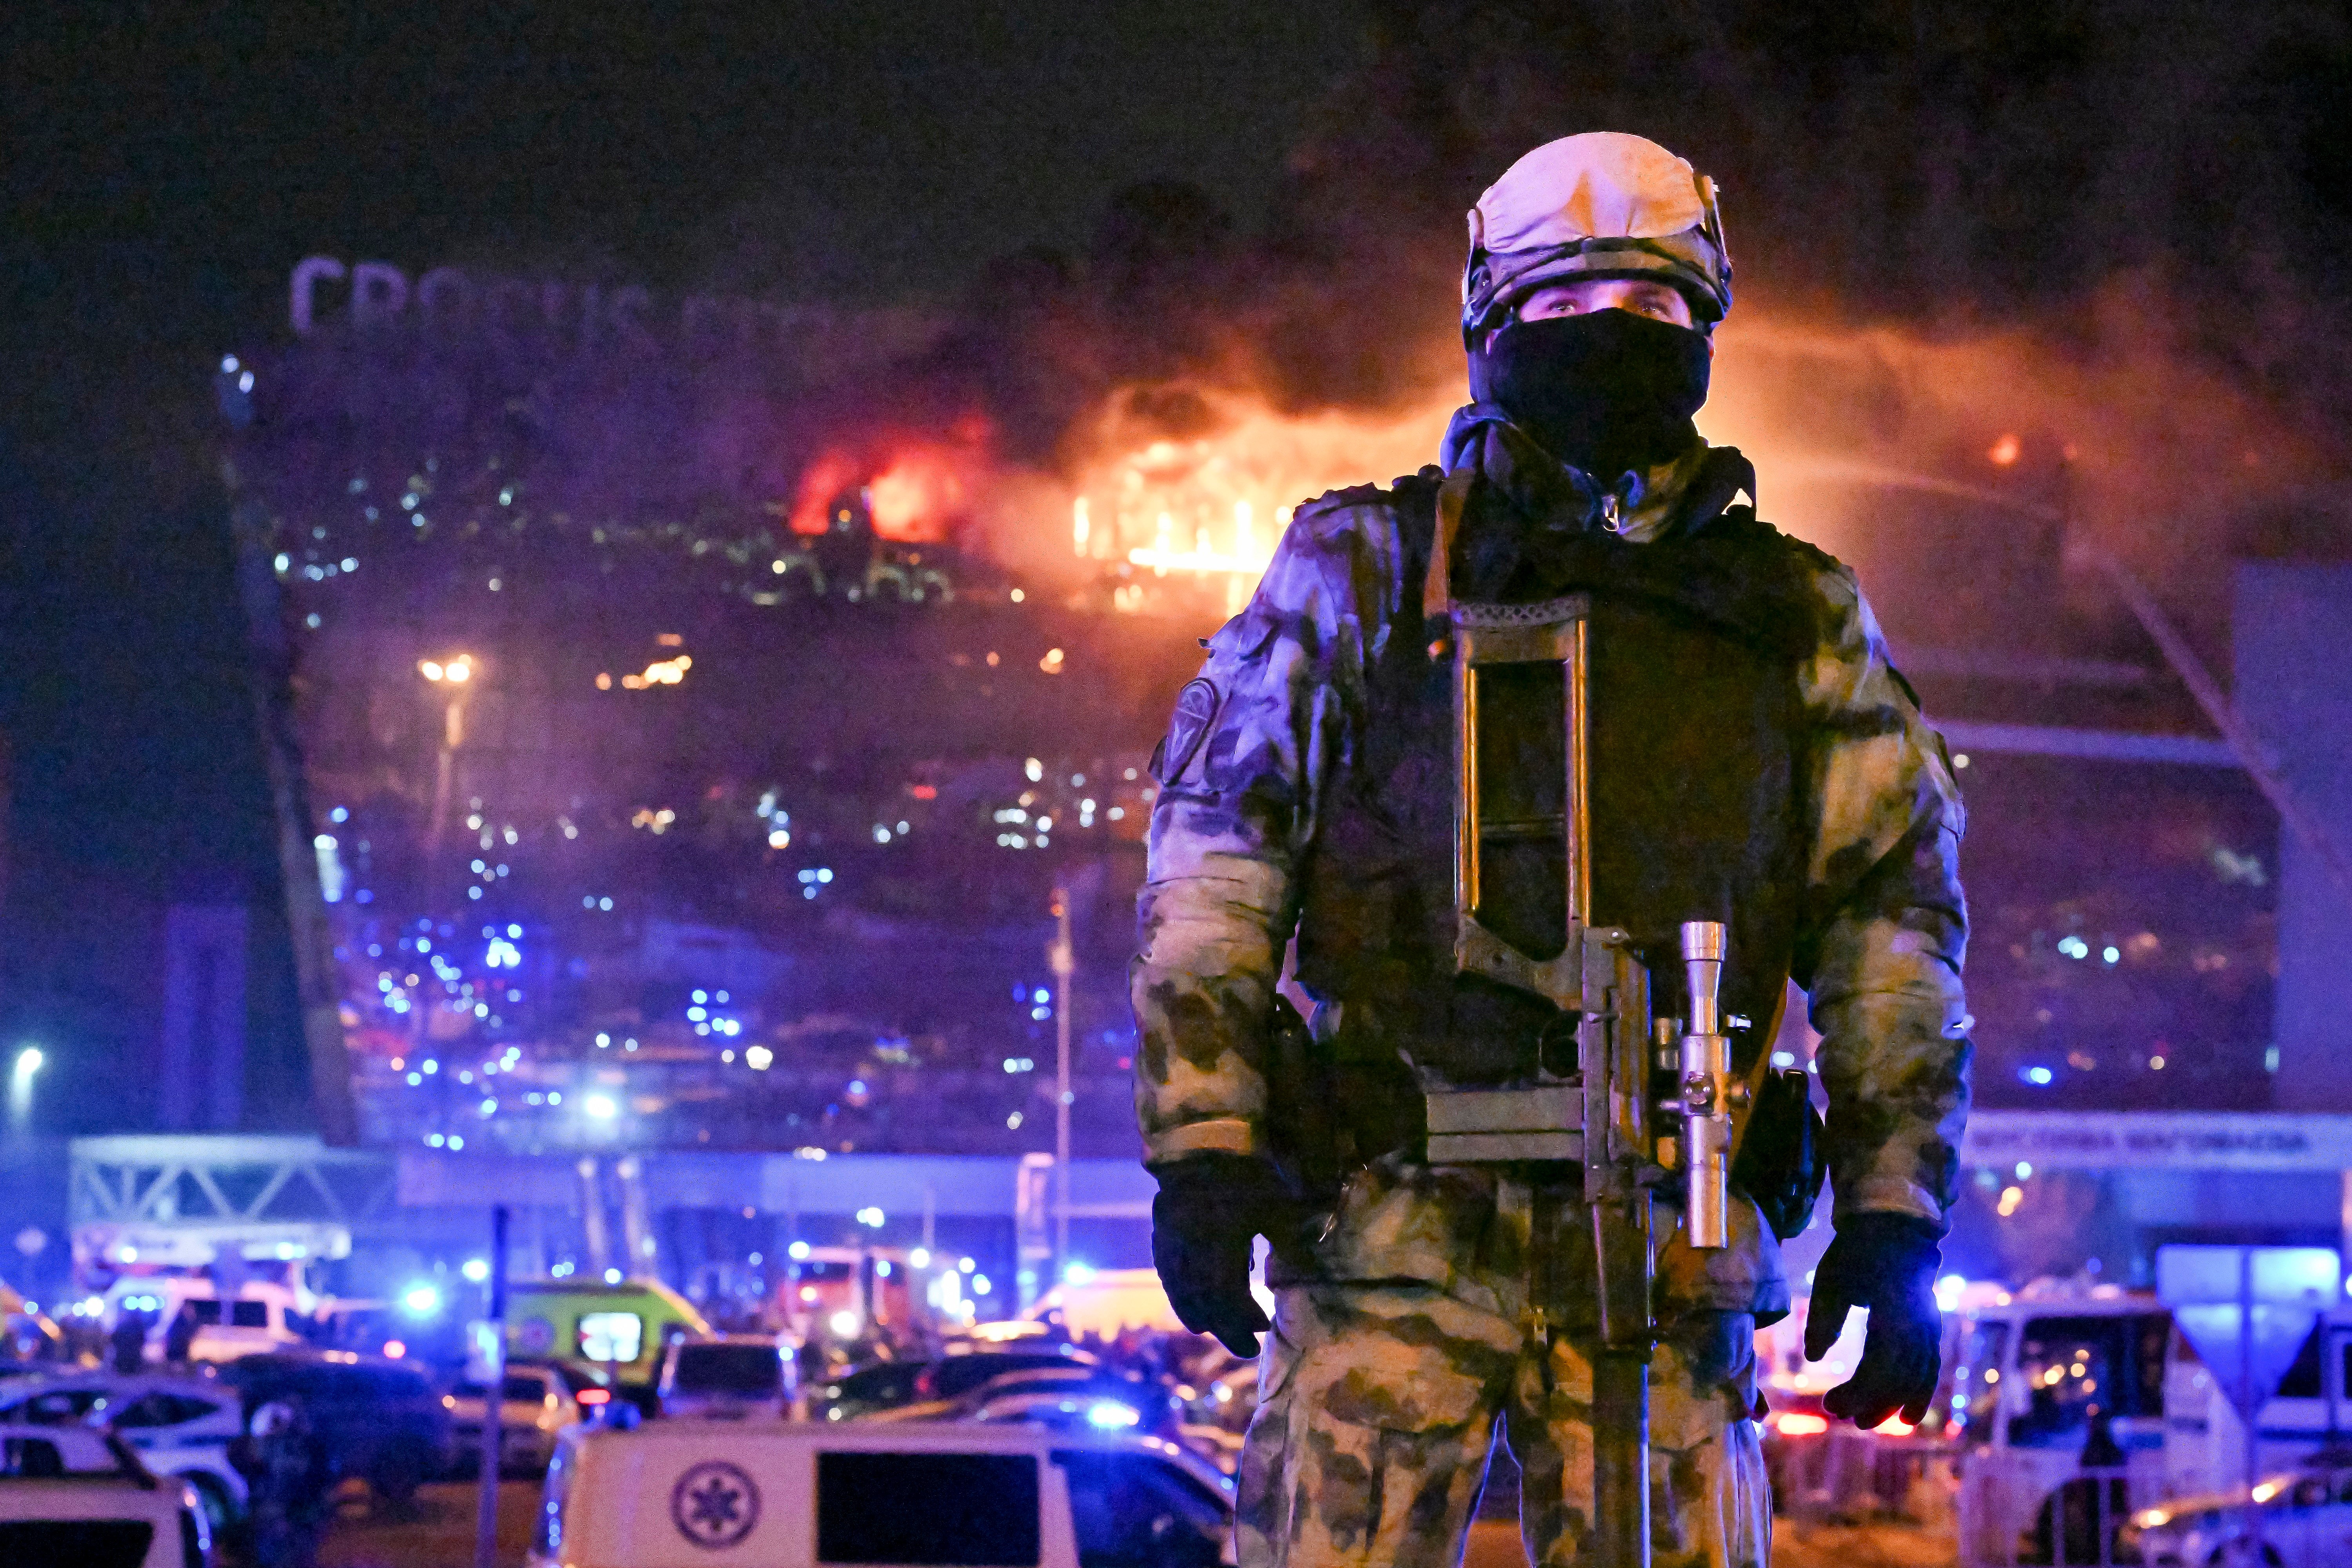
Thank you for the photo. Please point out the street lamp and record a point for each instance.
(20, 1086)
(454, 673)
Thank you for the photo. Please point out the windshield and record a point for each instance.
(2076, 1369)
(753, 1370)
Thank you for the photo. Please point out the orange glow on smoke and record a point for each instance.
(2004, 451)
(821, 480)
(918, 487)
(917, 497)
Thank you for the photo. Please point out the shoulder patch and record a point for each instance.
(1196, 709)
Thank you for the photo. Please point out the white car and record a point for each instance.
(179, 1426)
(2307, 1523)
(693, 1490)
(539, 1403)
(69, 1495)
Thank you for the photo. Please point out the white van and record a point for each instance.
(797, 1495)
(2040, 1376)
(254, 1321)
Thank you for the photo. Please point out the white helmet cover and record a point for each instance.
(1600, 205)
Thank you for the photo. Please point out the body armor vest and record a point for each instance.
(1697, 767)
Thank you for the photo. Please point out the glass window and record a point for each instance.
(611, 1336)
(206, 1313)
(85, 1542)
(153, 1410)
(1976, 1381)
(58, 1407)
(752, 1371)
(34, 1458)
(249, 1314)
(2301, 1379)
(2153, 1332)
(2070, 1368)
(953, 1510)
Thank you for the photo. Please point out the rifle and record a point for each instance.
(1649, 1096)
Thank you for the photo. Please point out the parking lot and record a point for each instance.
(437, 1532)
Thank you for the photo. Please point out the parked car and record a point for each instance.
(864, 1386)
(72, 1496)
(874, 1385)
(380, 1420)
(729, 1375)
(541, 1402)
(955, 1375)
(1094, 1396)
(2307, 1523)
(180, 1425)
(1146, 1500)
(913, 1494)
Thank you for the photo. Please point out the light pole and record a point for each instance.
(455, 674)
(1064, 963)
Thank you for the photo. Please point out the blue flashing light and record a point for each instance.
(1111, 1416)
(422, 1300)
(2039, 1077)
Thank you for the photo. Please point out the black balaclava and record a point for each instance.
(1607, 391)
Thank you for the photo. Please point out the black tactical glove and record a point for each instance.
(1886, 1263)
(1209, 1210)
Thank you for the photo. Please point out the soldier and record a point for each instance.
(1756, 758)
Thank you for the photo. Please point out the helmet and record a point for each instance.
(1599, 204)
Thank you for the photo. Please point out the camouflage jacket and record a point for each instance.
(1239, 807)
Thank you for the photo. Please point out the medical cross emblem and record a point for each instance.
(714, 1504)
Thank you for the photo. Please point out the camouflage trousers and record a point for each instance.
(1379, 1401)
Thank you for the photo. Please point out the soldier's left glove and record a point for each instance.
(1204, 1223)
(1887, 1264)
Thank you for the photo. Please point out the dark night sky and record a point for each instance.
(168, 163)
(168, 169)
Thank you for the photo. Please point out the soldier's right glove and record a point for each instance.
(1210, 1210)
(1886, 1263)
